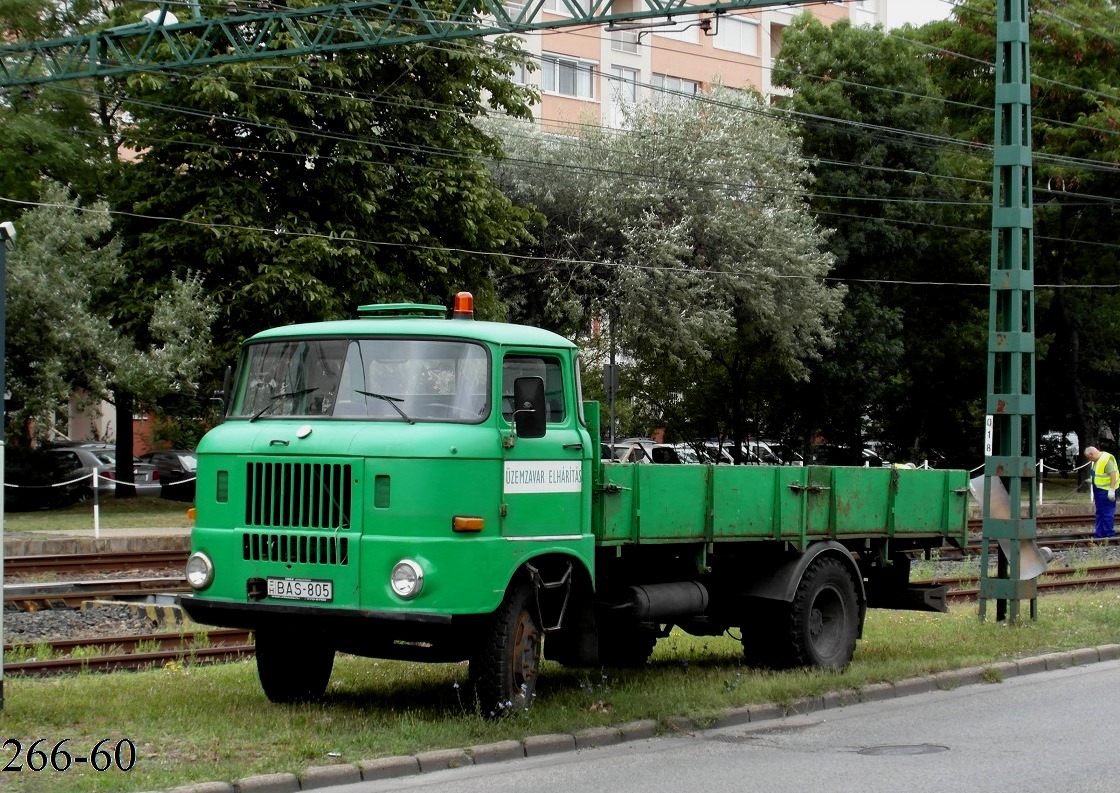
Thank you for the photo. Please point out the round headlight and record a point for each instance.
(407, 579)
(200, 571)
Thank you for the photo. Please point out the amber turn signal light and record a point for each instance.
(464, 523)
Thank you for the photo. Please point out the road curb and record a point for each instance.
(595, 737)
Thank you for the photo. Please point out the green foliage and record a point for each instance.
(51, 131)
(299, 189)
(693, 239)
(57, 342)
(60, 338)
(1075, 114)
(908, 360)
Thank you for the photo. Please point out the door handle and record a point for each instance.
(574, 446)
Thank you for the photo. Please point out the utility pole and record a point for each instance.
(1009, 442)
(7, 234)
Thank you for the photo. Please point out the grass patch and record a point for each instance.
(115, 513)
(198, 723)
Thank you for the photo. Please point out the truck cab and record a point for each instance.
(378, 483)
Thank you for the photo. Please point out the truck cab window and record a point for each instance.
(545, 367)
(384, 379)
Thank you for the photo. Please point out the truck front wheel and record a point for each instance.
(824, 617)
(507, 657)
(292, 669)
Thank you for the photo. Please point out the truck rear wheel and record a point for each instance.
(507, 658)
(292, 669)
(824, 617)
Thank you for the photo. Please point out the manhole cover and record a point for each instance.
(896, 751)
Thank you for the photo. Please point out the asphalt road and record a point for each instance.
(1055, 731)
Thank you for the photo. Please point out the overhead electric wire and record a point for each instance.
(885, 130)
(544, 259)
(1074, 162)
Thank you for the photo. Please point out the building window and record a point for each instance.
(567, 76)
(669, 89)
(737, 35)
(624, 40)
(561, 7)
(623, 89)
(690, 34)
(624, 84)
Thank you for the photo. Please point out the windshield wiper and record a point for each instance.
(272, 401)
(392, 400)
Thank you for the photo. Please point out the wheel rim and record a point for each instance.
(826, 621)
(526, 658)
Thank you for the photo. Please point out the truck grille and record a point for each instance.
(298, 495)
(322, 549)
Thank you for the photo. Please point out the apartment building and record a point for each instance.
(589, 74)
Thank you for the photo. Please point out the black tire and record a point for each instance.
(626, 647)
(505, 663)
(292, 669)
(824, 617)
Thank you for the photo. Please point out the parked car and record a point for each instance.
(35, 479)
(787, 455)
(58, 475)
(687, 454)
(761, 451)
(177, 469)
(80, 460)
(1058, 450)
(655, 452)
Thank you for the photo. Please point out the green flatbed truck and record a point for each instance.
(412, 486)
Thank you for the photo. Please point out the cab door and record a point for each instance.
(545, 480)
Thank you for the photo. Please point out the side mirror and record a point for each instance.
(528, 407)
(222, 397)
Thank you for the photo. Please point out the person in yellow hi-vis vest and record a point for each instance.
(1105, 478)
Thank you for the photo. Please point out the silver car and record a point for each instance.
(80, 460)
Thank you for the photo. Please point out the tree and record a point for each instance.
(60, 342)
(51, 131)
(907, 362)
(708, 261)
(1075, 77)
(299, 189)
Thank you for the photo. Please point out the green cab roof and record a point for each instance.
(499, 333)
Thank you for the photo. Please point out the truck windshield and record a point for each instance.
(378, 379)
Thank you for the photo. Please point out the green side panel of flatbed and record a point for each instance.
(665, 513)
(619, 506)
(696, 503)
(860, 497)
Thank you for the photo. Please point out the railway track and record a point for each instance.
(71, 594)
(71, 564)
(121, 653)
(966, 588)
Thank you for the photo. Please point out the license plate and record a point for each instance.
(301, 589)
